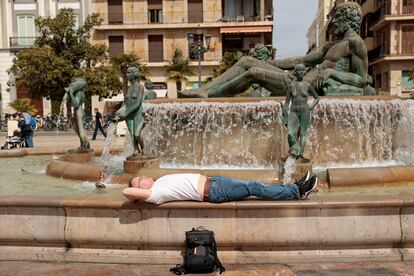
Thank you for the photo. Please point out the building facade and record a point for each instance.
(388, 32)
(153, 29)
(17, 31)
(317, 33)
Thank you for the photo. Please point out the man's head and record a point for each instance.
(96, 109)
(132, 73)
(142, 182)
(348, 16)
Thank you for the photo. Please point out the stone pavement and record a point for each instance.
(11, 268)
(66, 140)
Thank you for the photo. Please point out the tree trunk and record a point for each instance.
(125, 82)
(178, 85)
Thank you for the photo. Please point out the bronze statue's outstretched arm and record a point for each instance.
(313, 58)
(314, 95)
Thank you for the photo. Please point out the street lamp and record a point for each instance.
(199, 48)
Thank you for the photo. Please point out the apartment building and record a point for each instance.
(17, 31)
(388, 31)
(317, 33)
(153, 29)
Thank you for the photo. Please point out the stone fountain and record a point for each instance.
(232, 137)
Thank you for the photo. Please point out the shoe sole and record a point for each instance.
(305, 196)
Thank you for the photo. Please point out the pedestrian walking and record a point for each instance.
(98, 124)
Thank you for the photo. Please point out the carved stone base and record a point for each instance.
(78, 157)
(301, 167)
(133, 164)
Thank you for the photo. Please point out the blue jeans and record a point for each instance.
(28, 135)
(224, 189)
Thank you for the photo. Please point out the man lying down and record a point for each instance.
(215, 189)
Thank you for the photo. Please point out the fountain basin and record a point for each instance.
(112, 230)
(370, 176)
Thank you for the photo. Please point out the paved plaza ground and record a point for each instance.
(65, 140)
(86, 269)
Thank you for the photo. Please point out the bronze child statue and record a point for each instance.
(299, 116)
(132, 110)
(77, 96)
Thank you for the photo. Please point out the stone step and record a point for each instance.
(110, 229)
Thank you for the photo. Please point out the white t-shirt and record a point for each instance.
(175, 187)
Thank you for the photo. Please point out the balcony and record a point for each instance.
(20, 42)
(379, 14)
(178, 17)
(377, 53)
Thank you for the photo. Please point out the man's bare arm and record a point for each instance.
(136, 193)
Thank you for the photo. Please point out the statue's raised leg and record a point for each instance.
(240, 76)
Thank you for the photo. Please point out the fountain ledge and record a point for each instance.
(113, 230)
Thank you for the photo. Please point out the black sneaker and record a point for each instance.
(303, 178)
(307, 187)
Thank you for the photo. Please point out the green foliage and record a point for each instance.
(229, 59)
(60, 53)
(23, 105)
(123, 61)
(412, 74)
(178, 67)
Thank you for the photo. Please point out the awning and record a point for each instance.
(252, 29)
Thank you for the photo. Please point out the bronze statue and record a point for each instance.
(343, 65)
(77, 96)
(149, 94)
(298, 118)
(132, 110)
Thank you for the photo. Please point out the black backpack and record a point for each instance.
(200, 255)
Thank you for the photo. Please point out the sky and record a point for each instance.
(292, 21)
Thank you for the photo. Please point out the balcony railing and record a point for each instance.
(377, 52)
(379, 13)
(21, 41)
(177, 17)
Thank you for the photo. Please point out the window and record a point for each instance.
(154, 11)
(116, 45)
(76, 21)
(407, 42)
(408, 6)
(155, 46)
(406, 83)
(195, 11)
(26, 30)
(192, 50)
(115, 12)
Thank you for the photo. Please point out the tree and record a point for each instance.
(123, 61)
(178, 68)
(23, 105)
(229, 59)
(61, 53)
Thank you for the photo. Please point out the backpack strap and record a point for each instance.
(218, 263)
(178, 269)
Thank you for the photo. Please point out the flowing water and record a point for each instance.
(251, 134)
(289, 169)
(106, 155)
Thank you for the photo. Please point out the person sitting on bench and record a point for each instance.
(215, 189)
